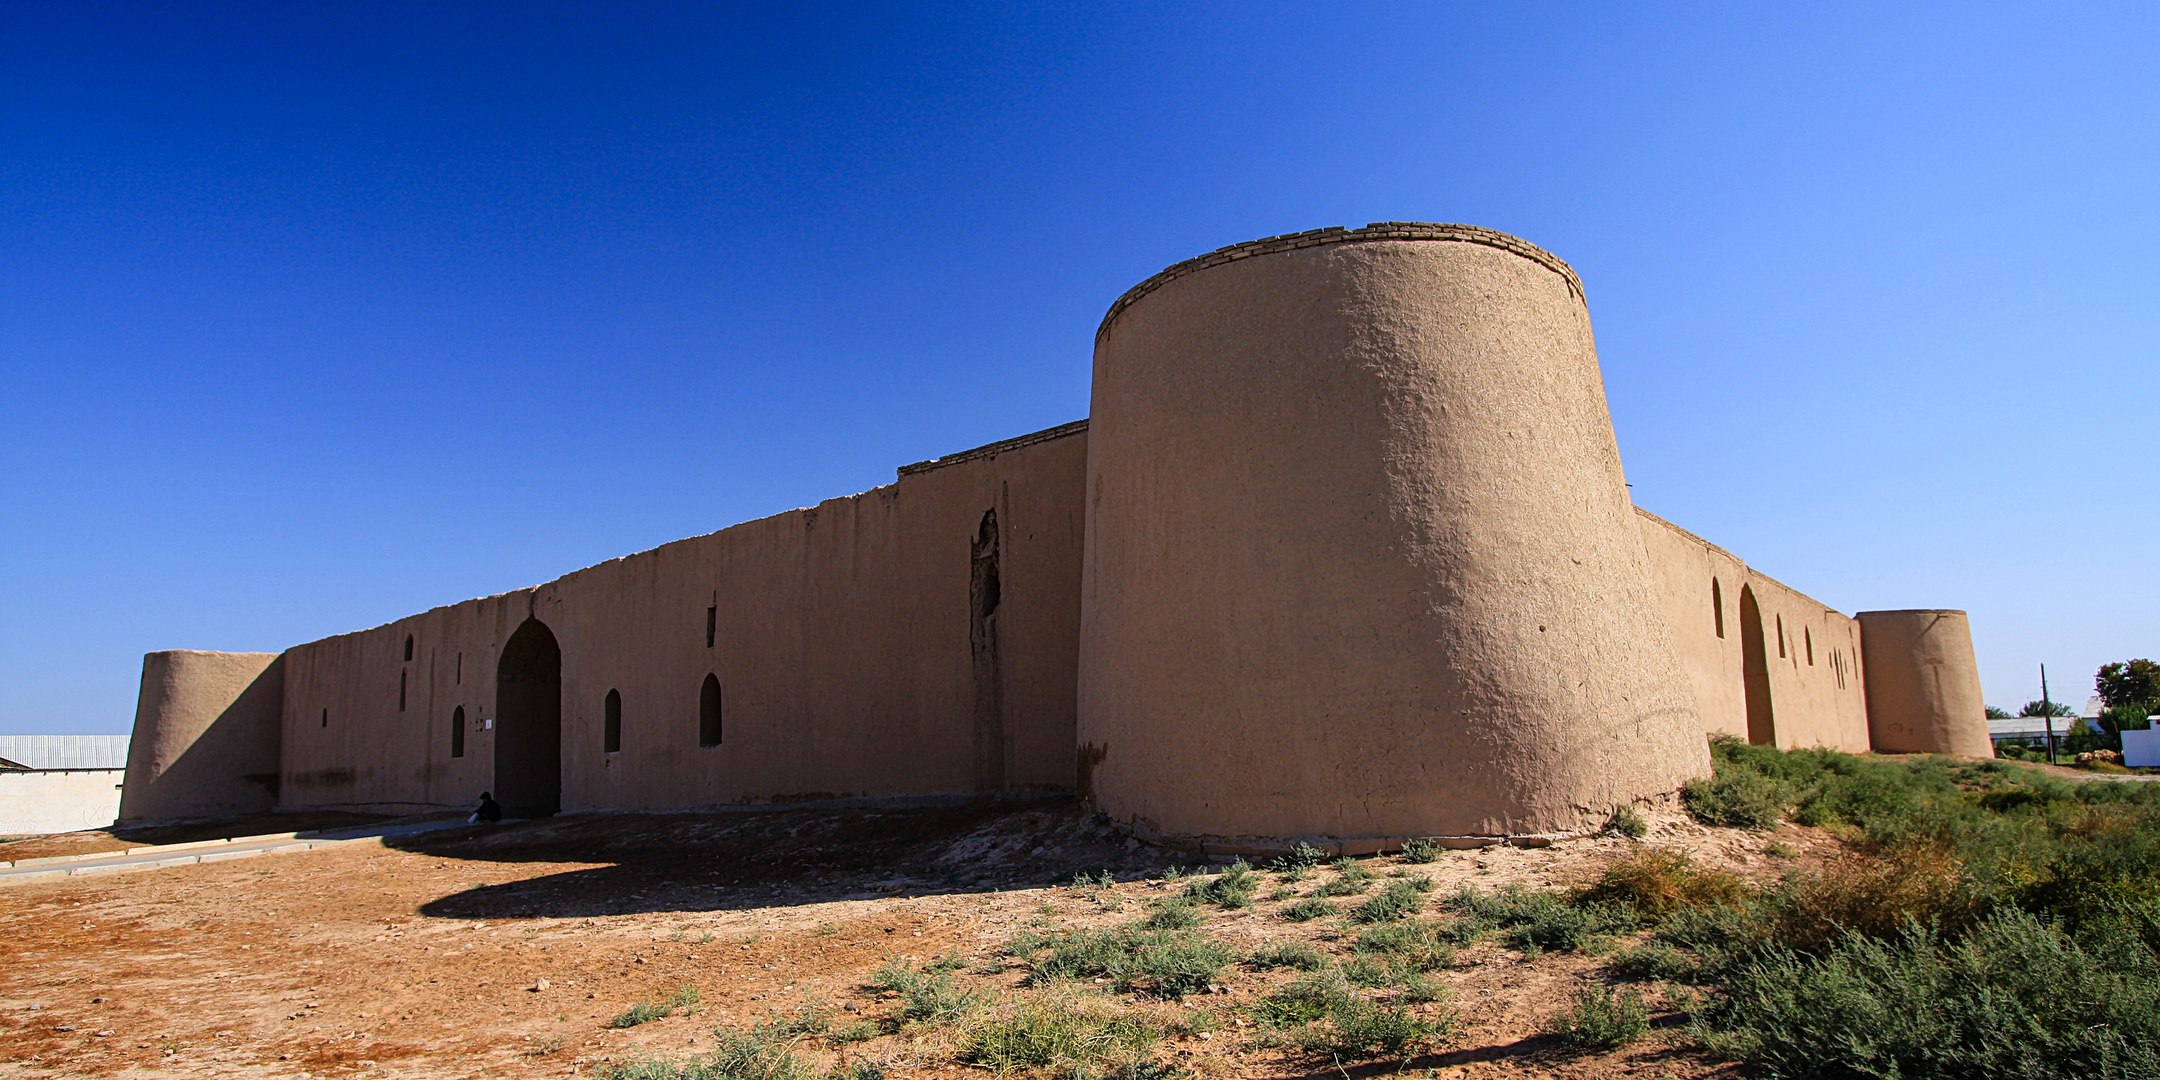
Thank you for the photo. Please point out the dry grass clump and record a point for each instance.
(1659, 881)
(1878, 895)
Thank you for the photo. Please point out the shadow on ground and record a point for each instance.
(736, 860)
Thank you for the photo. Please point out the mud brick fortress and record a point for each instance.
(1343, 553)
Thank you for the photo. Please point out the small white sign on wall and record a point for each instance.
(2141, 747)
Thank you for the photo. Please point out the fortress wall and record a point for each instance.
(846, 641)
(346, 741)
(1818, 691)
(1811, 670)
(1688, 572)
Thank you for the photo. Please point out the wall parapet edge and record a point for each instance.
(1337, 234)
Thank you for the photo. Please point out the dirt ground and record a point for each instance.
(504, 951)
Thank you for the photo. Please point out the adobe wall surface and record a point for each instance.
(847, 642)
(1812, 657)
(1360, 558)
(1924, 683)
(206, 736)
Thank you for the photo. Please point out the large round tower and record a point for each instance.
(1360, 561)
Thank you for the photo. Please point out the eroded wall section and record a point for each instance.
(919, 638)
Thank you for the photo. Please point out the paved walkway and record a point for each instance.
(152, 858)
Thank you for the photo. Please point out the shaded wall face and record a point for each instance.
(206, 741)
(1360, 559)
(847, 641)
(1785, 671)
(1923, 683)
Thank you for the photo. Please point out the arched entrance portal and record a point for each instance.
(528, 723)
(1755, 669)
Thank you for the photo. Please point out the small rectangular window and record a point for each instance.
(457, 732)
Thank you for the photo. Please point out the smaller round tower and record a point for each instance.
(1923, 684)
(207, 733)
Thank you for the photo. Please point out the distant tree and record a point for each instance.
(2132, 682)
(2116, 719)
(2037, 707)
(1994, 713)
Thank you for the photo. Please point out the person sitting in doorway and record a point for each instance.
(490, 811)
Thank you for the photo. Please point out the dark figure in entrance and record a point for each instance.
(490, 811)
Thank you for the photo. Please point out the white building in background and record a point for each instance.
(60, 783)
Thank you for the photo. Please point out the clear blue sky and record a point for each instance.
(315, 316)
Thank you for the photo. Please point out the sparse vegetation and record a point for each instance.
(1626, 821)
(1308, 909)
(1421, 851)
(1172, 963)
(1402, 898)
(1288, 954)
(1071, 1034)
(644, 1012)
(1603, 1018)
(1233, 888)
(1298, 860)
(1175, 913)
(925, 996)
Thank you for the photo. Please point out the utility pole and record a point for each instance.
(2047, 709)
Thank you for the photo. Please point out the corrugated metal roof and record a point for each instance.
(65, 751)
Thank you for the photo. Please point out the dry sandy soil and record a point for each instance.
(427, 958)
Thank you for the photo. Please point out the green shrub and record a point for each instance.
(1351, 869)
(1421, 851)
(1603, 1018)
(1298, 860)
(1535, 922)
(1360, 1029)
(847, 1034)
(1307, 910)
(1401, 899)
(1737, 799)
(925, 996)
(644, 1012)
(759, 1055)
(1655, 960)
(1626, 821)
(1341, 886)
(1071, 1034)
(1172, 963)
(1175, 913)
(1288, 954)
(2017, 997)
(1417, 944)
(1303, 1001)
(1233, 888)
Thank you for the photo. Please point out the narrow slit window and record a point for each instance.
(1717, 607)
(1807, 639)
(401, 691)
(1781, 637)
(326, 718)
(709, 712)
(457, 732)
(461, 669)
(408, 648)
(712, 625)
(611, 725)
